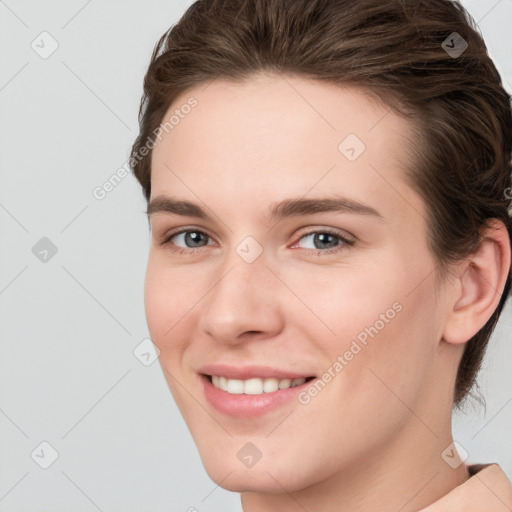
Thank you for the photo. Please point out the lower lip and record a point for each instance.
(248, 406)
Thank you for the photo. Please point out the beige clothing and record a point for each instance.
(486, 490)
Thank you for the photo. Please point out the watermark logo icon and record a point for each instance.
(454, 455)
(44, 250)
(454, 45)
(249, 249)
(44, 455)
(351, 147)
(249, 455)
(146, 352)
(45, 45)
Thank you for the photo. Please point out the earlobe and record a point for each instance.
(480, 285)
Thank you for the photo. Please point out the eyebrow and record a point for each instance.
(277, 211)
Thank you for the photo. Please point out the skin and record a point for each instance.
(372, 439)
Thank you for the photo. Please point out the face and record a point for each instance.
(303, 256)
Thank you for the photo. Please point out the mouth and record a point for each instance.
(253, 397)
(255, 385)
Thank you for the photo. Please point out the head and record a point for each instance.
(392, 290)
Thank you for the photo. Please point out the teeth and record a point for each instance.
(285, 383)
(270, 385)
(255, 386)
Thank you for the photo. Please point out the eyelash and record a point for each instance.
(180, 250)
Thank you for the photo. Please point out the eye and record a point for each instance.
(325, 241)
(187, 240)
(322, 241)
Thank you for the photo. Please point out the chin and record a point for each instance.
(268, 477)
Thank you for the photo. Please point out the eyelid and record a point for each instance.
(347, 237)
(165, 238)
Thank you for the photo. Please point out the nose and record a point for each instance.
(243, 303)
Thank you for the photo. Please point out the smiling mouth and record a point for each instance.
(255, 385)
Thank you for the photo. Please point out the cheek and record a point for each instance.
(374, 322)
(169, 311)
(168, 300)
(397, 353)
(158, 303)
(338, 303)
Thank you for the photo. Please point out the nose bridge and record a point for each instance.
(245, 270)
(242, 298)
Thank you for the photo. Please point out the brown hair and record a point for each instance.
(398, 52)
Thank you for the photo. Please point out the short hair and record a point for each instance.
(410, 56)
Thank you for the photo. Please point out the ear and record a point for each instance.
(479, 285)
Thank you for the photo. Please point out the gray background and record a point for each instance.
(69, 326)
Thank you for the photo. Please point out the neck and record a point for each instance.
(406, 475)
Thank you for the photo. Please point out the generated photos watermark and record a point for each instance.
(356, 346)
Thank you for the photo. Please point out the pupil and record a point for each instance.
(192, 237)
(323, 238)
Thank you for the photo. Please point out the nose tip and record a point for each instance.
(242, 304)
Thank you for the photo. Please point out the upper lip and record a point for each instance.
(249, 372)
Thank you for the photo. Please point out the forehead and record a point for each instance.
(273, 136)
